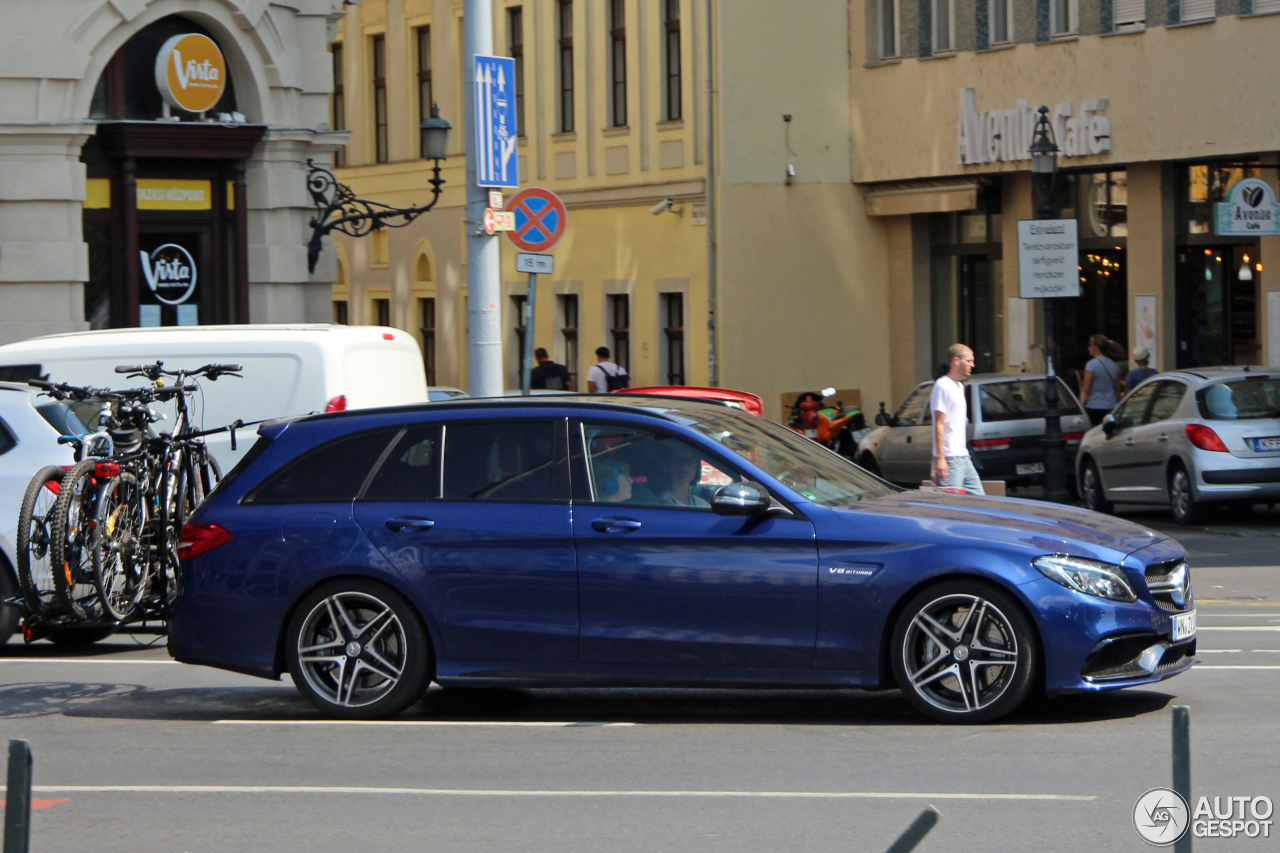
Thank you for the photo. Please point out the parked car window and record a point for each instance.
(1168, 397)
(69, 418)
(1022, 399)
(1240, 399)
(508, 461)
(1132, 411)
(914, 411)
(411, 471)
(19, 372)
(331, 473)
(644, 467)
(7, 440)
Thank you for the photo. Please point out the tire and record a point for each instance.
(870, 465)
(1091, 491)
(71, 540)
(10, 617)
(119, 554)
(35, 566)
(1182, 497)
(75, 637)
(342, 673)
(941, 670)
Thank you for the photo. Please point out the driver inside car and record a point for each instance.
(670, 480)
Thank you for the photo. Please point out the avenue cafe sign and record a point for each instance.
(1250, 208)
(191, 73)
(1005, 135)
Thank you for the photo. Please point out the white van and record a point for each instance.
(288, 369)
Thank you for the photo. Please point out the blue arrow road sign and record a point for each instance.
(495, 122)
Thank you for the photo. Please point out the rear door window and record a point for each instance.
(411, 471)
(504, 461)
(332, 473)
(1241, 399)
(1020, 400)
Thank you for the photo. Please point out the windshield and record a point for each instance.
(1243, 399)
(818, 474)
(1021, 399)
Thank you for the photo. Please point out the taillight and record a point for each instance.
(1072, 436)
(106, 470)
(198, 537)
(1205, 438)
(337, 404)
(387, 336)
(990, 443)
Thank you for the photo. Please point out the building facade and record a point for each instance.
(120, 208)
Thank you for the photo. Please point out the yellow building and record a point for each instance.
(614, 119)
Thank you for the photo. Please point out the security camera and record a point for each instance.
(662, 207)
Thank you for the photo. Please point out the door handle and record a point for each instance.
(1164, 438)
(406, 522)
(1130, 443)
(908, 439)
(615, 525)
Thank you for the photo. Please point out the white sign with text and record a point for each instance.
(1048, 258)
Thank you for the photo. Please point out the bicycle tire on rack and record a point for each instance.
(70, 537)
(35, 565)
(118, 550)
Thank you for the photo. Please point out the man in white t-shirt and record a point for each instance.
(600, 373)
(951, 463)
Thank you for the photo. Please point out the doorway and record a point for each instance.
(976, 311)
(1217, 305)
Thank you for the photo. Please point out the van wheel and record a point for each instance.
(869, 464)
(1091, 489)
(1182, 498)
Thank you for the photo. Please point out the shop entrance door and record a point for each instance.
(175, 278)
(1217, 318)
(977, 311)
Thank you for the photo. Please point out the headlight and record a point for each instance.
(1088, 576)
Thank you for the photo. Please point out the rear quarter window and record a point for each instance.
(331, 473)
(19, 372)
(7, 439)
(1021, 400)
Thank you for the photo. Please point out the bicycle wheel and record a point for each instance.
(70, 540)
(120, 566)
(35, 566)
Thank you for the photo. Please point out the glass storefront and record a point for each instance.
(966, 275)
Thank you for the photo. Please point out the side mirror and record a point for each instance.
(1109, 425)
(740, 499)
(882, 419)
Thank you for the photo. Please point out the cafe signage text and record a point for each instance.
(1005, 135)
(1250, 208)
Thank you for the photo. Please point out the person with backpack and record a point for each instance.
(605, 376)
(548, 375)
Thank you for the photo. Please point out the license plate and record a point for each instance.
(1184, 625)
(1264, 445)
(1030, 468)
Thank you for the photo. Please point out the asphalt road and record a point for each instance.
(136, 753)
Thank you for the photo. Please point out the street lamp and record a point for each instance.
(1044, 174)
(338, 209)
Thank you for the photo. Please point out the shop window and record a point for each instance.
(966, 275)
(426, 94)
(515, 49)
(380, 99)
(1128, 15)
(1062, 17)
(338, 102)
(672, 307)
(943, 25)
(567, 308)
(1196, 10)
(1205, 186)
(617, 63)
(427, 325)
(620, 329)
(671, 63)
(564, 64)
(1000, 21)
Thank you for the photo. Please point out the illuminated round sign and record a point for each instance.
(170, 272)
(191, 73)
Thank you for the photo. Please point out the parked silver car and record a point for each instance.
(1189, 439)
(1006, 428)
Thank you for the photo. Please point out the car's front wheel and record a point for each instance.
(965, 652)
(1091, 489)
(358, 651)
(869, 464)
(1182, 498)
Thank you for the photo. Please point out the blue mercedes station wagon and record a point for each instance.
(649, 541)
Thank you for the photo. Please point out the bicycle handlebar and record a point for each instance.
(155, 371)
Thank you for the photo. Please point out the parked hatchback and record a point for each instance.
(651, 541)
(1006, 431)
(1189, 439)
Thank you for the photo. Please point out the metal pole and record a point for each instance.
(484, 339)
(1182, 767)
(526, 358)
(17, 807)
(1055, 446)
(713, 367)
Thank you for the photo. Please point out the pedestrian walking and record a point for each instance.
(548, 375)
(951, 463)
(1100, 387)
(1140, 356)
(605, 376)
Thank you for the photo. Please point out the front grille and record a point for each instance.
(1170, 585)
(1176, 654)
(1117, 657)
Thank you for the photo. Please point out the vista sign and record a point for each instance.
(170, 273)
(1250, 208)
(191, 73)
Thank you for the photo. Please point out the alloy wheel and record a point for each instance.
(960, 653)
(352, 649)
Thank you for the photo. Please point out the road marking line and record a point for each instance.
(89, 661)
(1239, 628)
(469, 792)
(1232, 666)
(1237, 603)
(531, 723)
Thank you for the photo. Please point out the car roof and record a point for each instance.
(1214, 374)
(988, 378)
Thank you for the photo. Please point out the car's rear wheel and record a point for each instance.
(358, 651)
(965, 652)
(1182, 498)
(869, 464)
(1091, 487)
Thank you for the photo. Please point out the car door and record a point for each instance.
(1150, 451)
(668, 582)
(476, 515)
(1116, 460)
(897, 448)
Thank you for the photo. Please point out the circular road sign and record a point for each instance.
(490, 221)
(540, 220)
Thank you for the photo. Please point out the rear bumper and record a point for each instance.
(1242, 477)
(1003, 464)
